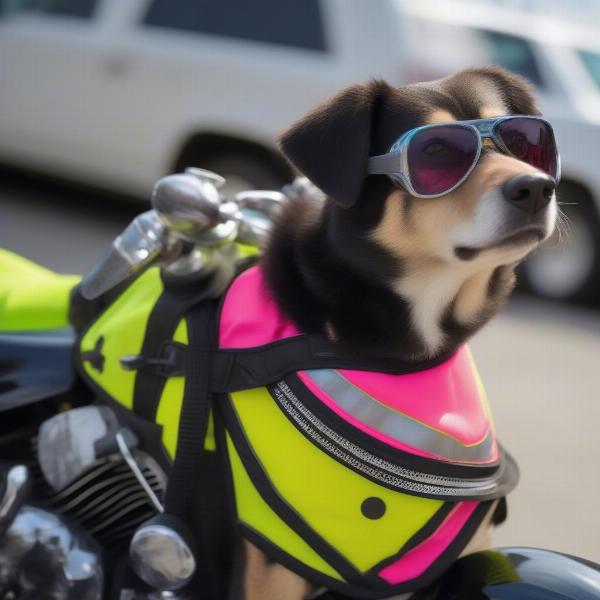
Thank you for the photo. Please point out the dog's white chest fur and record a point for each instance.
(429, 295)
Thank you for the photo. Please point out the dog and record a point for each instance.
(377, 267)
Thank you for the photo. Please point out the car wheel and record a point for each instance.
(567, 266)
(244, 172)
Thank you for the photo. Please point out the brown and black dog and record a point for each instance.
(401, 276)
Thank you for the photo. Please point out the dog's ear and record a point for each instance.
(516, 91)
(331, 144)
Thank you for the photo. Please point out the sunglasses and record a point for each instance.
(434, 160)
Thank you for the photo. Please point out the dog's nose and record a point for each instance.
(530, 193)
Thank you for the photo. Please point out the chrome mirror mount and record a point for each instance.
(190, 207)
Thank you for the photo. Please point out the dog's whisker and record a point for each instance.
(563, 227)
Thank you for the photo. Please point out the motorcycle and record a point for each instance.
(78, 482)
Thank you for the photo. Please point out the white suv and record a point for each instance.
(115, 93)
(118, 92)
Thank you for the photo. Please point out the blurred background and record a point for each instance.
(100, 98)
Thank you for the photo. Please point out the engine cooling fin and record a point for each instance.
(107, 501)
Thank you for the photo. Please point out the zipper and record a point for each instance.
(374, 467)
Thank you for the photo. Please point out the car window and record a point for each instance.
(591, 60)
(514, 53)
(82, 9)
(295, 23)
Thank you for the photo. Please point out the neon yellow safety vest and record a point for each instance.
(363, 476)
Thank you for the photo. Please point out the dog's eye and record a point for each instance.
(436, 149)
(517, 145)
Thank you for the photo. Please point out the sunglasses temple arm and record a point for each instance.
(385, 164)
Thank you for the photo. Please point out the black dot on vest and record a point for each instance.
(373, 508)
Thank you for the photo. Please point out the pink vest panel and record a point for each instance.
(440, 412)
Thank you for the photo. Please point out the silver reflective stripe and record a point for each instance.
(361, 460)
(394, 424)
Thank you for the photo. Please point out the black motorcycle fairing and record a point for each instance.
(512, 574)
(35, 366)
(517, 574)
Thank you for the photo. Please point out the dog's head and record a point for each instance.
(448, 259)
(482, 220)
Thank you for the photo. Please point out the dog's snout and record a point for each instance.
(530, 193)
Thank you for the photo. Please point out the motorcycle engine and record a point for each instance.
(70, 506)
(82, 475)
(43, 557)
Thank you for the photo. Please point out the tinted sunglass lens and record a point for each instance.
(531, 141)
(438, 158)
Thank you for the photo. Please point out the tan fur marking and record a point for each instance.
(493, 170)
(472, 297)
(330, 332)
(432, 276)
(422, 236)
(441, 116)
(482, 540)
(270, 581)
(488, 112)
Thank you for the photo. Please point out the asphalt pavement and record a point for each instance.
(540, 364)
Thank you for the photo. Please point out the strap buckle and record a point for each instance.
(169, 363)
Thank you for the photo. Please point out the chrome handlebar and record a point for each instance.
(188, 215)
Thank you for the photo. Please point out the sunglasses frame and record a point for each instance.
(394, 163)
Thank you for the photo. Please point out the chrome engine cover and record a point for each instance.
(42, 557)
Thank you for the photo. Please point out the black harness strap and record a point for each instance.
(166, 314)
(239, 369)
(193, 421)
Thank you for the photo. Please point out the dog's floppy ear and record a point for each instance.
(331, 144)
(516, 91)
